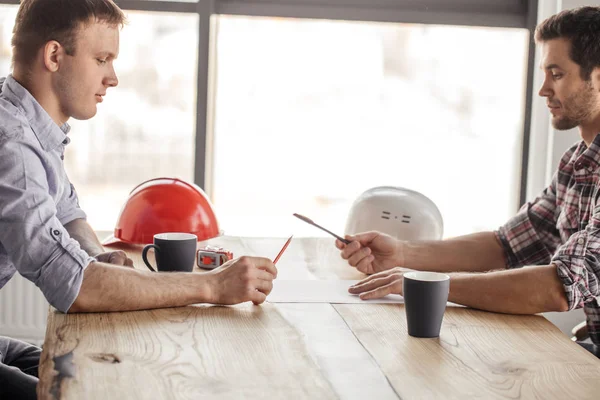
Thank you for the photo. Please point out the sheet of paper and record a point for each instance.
(320, 291)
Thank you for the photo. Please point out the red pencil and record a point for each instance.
(283, 249)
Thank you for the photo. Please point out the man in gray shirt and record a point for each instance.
(63, 53)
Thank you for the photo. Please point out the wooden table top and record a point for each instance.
(313, 351)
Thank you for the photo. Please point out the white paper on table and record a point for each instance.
(320, 291)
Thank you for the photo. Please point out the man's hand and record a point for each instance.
(372, 252)
(243, 279)
(379, 285)
(118, 257)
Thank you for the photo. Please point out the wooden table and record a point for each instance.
(311, 351)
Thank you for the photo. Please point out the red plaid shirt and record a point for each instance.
(562, 227)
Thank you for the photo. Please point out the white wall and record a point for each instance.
(540, 146)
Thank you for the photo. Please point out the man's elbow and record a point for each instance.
(555, 298)
(85, 302)
(78, 306)
(560, 302)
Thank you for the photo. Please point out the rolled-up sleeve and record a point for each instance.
(531, 236)
(31, 230)
(68, 208)
(578, 264)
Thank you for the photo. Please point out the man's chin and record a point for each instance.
(85, 115)
(563, 124)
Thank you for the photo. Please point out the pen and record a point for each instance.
(283, 249)
(310, 221)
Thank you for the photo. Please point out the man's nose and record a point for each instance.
(545, 90)
(112, 79)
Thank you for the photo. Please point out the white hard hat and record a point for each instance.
(399, 212)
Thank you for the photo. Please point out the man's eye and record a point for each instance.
(101, 61)
(557, 76)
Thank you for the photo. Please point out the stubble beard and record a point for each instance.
(578, 108)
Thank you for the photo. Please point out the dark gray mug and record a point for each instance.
(173, 251)
(425, 297)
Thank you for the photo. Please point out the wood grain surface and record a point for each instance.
(478, 355)
(308, 351)
(181, 353)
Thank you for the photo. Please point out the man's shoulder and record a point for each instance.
(13, 124)
(570, 155)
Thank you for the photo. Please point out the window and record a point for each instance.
(310, 113)
(146, 126)
(7, 21)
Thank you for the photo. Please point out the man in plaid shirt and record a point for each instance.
(557, 235)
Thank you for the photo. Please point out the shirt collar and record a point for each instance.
(589, 156)
(49, 134)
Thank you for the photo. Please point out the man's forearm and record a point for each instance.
(471, 253)
(112, 288)
(81, 231)
(528, 290)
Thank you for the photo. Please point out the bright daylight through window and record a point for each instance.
(308, 115)
(145, 127)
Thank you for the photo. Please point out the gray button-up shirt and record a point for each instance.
(37, 199)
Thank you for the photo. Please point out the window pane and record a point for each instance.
(145, 128)
(7, 21)
(310, 113)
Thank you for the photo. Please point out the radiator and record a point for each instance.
(23, 311)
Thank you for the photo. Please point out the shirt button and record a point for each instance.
(57, 232)
(591, 169)
(580, 241)
(66, 141)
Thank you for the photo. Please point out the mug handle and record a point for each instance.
(145, 255)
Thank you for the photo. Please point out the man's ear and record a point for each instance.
(595, 77)
(53, 55)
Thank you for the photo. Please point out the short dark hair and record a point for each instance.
(40, 21)
(581, 26)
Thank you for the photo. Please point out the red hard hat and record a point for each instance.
(166, 205)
